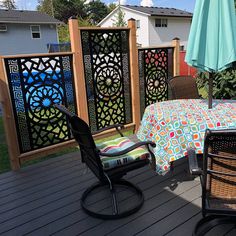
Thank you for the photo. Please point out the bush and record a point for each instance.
(224, 84)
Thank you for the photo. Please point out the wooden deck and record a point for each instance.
(43, 199)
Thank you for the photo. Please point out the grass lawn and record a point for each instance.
(4, 160)
(74, 149)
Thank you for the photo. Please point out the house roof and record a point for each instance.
(20, 16)
(151, 11)
(160, 11)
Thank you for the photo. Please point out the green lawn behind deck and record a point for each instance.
(4, 158)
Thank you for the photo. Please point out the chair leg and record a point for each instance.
(114, 201)
(115, 211)
(113, 194)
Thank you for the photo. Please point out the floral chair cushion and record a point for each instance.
(117, 145)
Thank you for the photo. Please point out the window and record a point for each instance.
(3, 27)
(161, 22)
(137, 24)
(35, 31)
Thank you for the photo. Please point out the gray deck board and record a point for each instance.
(231, 232)
(185, 228)
(44, 199)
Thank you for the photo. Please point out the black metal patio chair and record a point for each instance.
(109, 161)
(183, 87)
(218, 179)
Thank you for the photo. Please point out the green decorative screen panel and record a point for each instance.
(107, 74)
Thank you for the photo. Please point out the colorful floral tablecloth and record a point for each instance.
(178, 124)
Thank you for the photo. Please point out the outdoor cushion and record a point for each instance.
(117, 145)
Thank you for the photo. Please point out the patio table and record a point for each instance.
(178, 124)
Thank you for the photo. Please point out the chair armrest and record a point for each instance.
(136, 145)
(118, 128)
(193, 164)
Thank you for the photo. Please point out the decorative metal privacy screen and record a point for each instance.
(155, 67)
(35, 84)
(107, 75)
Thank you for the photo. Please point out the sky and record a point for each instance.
(187, 5)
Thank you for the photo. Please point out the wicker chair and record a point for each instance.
(109, 161)
(183, 87)
(218, 179)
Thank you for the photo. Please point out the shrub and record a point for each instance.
(224, 84)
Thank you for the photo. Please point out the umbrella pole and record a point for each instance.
(210, 93)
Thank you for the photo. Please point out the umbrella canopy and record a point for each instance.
(212, 39)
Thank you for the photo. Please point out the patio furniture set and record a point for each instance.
(169, 130)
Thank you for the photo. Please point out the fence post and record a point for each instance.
(134, 73)
(176, 62)
(8, 120)
(80, 85)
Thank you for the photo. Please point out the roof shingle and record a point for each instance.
(160, 11)
(19, 16)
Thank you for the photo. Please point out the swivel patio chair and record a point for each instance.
(218, 179)
(183, 87)
(110, 161)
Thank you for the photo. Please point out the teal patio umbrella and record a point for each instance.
(212, 38)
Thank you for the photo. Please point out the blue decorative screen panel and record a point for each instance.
(36, 83)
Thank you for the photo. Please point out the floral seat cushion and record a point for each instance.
(117, 145)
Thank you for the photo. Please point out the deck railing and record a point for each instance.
(105, 80)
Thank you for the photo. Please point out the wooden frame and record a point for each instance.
(176, 62)
(76, 47)
(134, 74)
(8, 119)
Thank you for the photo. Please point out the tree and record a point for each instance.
(111, 7)
(63, 33)
(46, 6)
(63, 9)
(120, 19)
(96, 11)
(8, 4)
(63, 30)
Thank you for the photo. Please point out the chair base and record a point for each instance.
(209, 222)
(114, 210)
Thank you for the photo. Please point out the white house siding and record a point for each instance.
(142, 32)
(18, 39)
(177, 27)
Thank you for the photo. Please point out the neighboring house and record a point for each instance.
(155, 25)
(26, 32)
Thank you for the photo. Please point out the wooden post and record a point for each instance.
(80, 85)
(176, 45)
(135, 90)
(8, 120)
